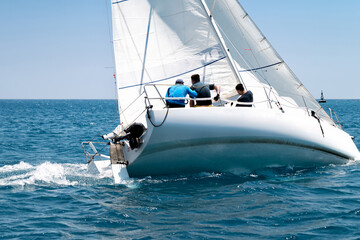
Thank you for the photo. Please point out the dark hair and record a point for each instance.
(239, 87)
(195, 78)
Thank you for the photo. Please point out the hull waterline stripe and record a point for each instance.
(254, 69)
(183, 144)
(174, 75)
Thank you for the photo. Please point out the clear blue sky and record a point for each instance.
(61, 49)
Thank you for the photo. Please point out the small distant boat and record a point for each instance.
(322, 100)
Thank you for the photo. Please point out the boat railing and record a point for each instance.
(155, 96)
(222, 102)
(147, 98)
(225, 101)
(336, 120)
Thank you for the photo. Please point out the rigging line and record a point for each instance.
(146, 47)
(135, 119)
(174, 75)
(122, 112)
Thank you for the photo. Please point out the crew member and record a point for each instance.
(203, 91)
(246, 96)
(176, 91)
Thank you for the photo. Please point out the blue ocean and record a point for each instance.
(46, 191)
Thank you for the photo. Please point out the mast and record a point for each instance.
(222, 42)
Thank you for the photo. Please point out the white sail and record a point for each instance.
(158, 41)
(256, 57)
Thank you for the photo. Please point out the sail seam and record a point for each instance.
(174, 75)
(254, 69)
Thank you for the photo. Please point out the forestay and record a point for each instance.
(256, 57)
(159, 41)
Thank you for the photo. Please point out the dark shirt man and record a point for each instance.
(203, 91)
(246, 96)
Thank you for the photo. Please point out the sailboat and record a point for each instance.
(322, 99)
(157, 42)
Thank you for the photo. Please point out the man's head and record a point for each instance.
(195, 78)
(179, 81)
(240, 89)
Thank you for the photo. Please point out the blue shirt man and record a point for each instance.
(176, 91)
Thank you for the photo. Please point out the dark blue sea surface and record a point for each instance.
(46, 191)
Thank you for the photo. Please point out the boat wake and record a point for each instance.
(48, 174)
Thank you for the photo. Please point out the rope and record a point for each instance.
(167, 112)
(313, 114)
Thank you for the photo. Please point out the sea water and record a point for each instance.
(46, 191)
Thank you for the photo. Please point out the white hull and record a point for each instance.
(236, 140)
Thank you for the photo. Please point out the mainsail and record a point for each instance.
(157, 41)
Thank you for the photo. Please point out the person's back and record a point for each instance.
(203, 91)
(177, 91)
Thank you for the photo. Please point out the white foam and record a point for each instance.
(44, 174)
(22, 166)
(352, 162)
